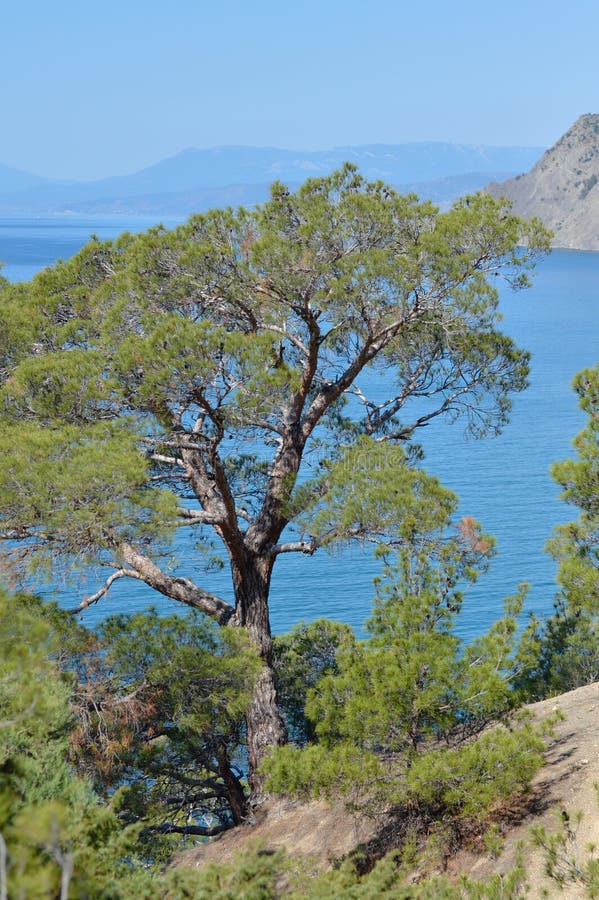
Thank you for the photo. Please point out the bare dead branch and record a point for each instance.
(89, 601)
(168, 460)
(307, 547)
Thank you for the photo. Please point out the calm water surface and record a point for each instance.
(504, 482)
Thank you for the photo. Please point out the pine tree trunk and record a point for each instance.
(235, 792)
(265, 724)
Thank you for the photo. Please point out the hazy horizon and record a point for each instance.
(91, 93)
(221, 147)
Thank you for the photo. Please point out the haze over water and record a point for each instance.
(504, 482)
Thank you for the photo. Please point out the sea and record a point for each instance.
(502, 481)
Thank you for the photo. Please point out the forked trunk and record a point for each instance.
(265, 724)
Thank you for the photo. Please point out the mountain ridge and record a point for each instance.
(562, 188)
(219, 169)
(198, 199)
(12, 178)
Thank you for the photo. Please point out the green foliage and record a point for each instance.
(402, 701)
(372, 488)
(317, 770)
(252, 875)
(230, 331)
(34, 723)
(77, 493)
(301, 658)
(161, 715)
(390, 879)
(576, 545)
(413, 681)
(54, 829)
(403, 717)
(444, 689)
(257, 874)
(82, 847)
(393, 718)
(467, 781)
(562, 653)
(566, 862)
(153, 707)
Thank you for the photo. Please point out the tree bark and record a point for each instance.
(265, 724)
(251, 574)
(235, 792)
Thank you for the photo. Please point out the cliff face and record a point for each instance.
(562, 189)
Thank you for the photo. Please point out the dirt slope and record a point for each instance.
(321, 834)
(564, 784)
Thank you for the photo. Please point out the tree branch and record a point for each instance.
(202, 830)
(292, 338)
(181, 589)
(198, 517)
(168, 460)
(173, 443)
(89, 601)
(308, 547)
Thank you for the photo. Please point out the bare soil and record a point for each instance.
(321, 833)
(562, 787)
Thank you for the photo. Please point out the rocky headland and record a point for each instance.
(562, 189)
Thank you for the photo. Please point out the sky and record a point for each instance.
(91, 90)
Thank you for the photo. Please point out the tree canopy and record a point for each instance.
(160, 703)
(250, 376)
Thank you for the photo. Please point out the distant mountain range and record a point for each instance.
(562, 189)
(196, 180)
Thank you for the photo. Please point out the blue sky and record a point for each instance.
(89, 90)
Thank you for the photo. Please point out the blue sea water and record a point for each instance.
(27, 244)
(504, 481)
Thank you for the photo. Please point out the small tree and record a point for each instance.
(404, 716)
(564, 650)
(56, 840)
(181, 379)
(34, 723)
(413, 680)
(576, 545)
(160, 715)
(302, 657)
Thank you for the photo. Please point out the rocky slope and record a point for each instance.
(562, 189)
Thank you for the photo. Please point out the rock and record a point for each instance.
(562, 189)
